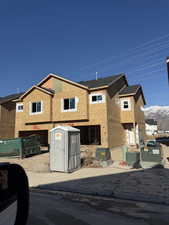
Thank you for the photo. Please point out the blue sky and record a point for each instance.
(78, 38)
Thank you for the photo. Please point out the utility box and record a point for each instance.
(65, 149)
(103, 154)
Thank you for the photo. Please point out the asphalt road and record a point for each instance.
(48, 209)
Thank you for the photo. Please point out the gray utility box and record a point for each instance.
(64, 149)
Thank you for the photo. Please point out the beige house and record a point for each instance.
(7, 116)
(107, 111)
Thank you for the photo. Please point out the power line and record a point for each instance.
(145, 68)
(130, 50)
(130, 59)
(145, 77)
(147, 64)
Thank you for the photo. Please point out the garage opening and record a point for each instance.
(90, 135)
(43, 134)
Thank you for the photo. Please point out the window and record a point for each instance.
(125, 104)
(69, 104)
(97, 98)
(19, 107)
(36, 108)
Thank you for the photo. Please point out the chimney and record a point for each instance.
(167, 61)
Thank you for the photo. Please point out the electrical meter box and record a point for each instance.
(65, 149)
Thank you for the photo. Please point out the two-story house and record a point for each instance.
(107, 110)
(7, 115)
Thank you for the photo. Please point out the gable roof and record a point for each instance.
(101, 82)
(45, 90)
(89, 84)
(130, 90)
(60, 78)
(135, 90)
(10, 97)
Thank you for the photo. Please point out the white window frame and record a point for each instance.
(97, 94)
(30, 108)
(122, 104)
(69, 110)
(17, 107)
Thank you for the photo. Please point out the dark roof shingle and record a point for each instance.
(134, 90)
(130, 90)
(9, 97)
(105, 81)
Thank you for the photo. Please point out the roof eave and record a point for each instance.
(125, 95)
(30, 89)
(98, 88)
(133, 94)
(61, 78)
(16, 100)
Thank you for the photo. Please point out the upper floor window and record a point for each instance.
(97, 98)
(69, 104)
(125, 104)
(36, 107)
(19, 107)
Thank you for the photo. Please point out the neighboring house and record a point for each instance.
(163, 126)
(7, 116)
(107, 111)
(151, 127)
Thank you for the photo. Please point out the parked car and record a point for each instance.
(152, 144)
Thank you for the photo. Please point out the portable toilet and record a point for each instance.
(64, 149)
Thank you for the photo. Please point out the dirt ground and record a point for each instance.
(140, 184)
(40, 163)
(37, 163)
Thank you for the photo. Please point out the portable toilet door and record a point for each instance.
(57, 150)
(74, 161)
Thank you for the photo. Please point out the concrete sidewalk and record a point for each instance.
(151, 185)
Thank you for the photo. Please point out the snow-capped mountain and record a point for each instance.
(156, 112)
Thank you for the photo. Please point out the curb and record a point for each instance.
(122, 197)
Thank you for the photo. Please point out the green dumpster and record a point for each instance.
(20, 147)
(133, 158)
(150, 157)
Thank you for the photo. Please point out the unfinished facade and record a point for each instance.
(7, 116)
(107, 111)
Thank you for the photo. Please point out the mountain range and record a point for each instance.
(156, 112)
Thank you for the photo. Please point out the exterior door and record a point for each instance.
(130, 137)
(57, 156)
